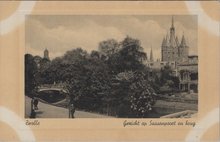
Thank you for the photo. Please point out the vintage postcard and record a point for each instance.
(109, 71)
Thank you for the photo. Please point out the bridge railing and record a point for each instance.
(52, 87)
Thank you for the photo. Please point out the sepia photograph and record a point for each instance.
(107, 71)
(111, 66)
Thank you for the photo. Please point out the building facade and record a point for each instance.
(188, 74)
(171, 49)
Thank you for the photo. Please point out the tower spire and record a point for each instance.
(46, 54)
(172, 34)
(172, 22)
(151, 55)
(164, 42)
(183, 41)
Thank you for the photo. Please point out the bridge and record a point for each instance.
(55, 87)
(55, 94)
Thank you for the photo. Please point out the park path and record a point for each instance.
(51, 111)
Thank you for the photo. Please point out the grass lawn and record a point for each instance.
(176, 105)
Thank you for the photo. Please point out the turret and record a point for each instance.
(46, 54)
(172, 35)
(164, 42)
(164, 48)
(172, 28)
(151, 55)
(183, 49)
(177, 41)
(183, 42)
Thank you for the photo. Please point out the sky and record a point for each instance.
(60, 33)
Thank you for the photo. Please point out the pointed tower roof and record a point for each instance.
(172, 25)
(46, 53)
(151, 55)
(164, 42)
(183, 41)
(177, 41)
(172, 40)
(167, 36)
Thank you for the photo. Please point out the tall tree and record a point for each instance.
(108, 47)
(131, 55)
(30, 71)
